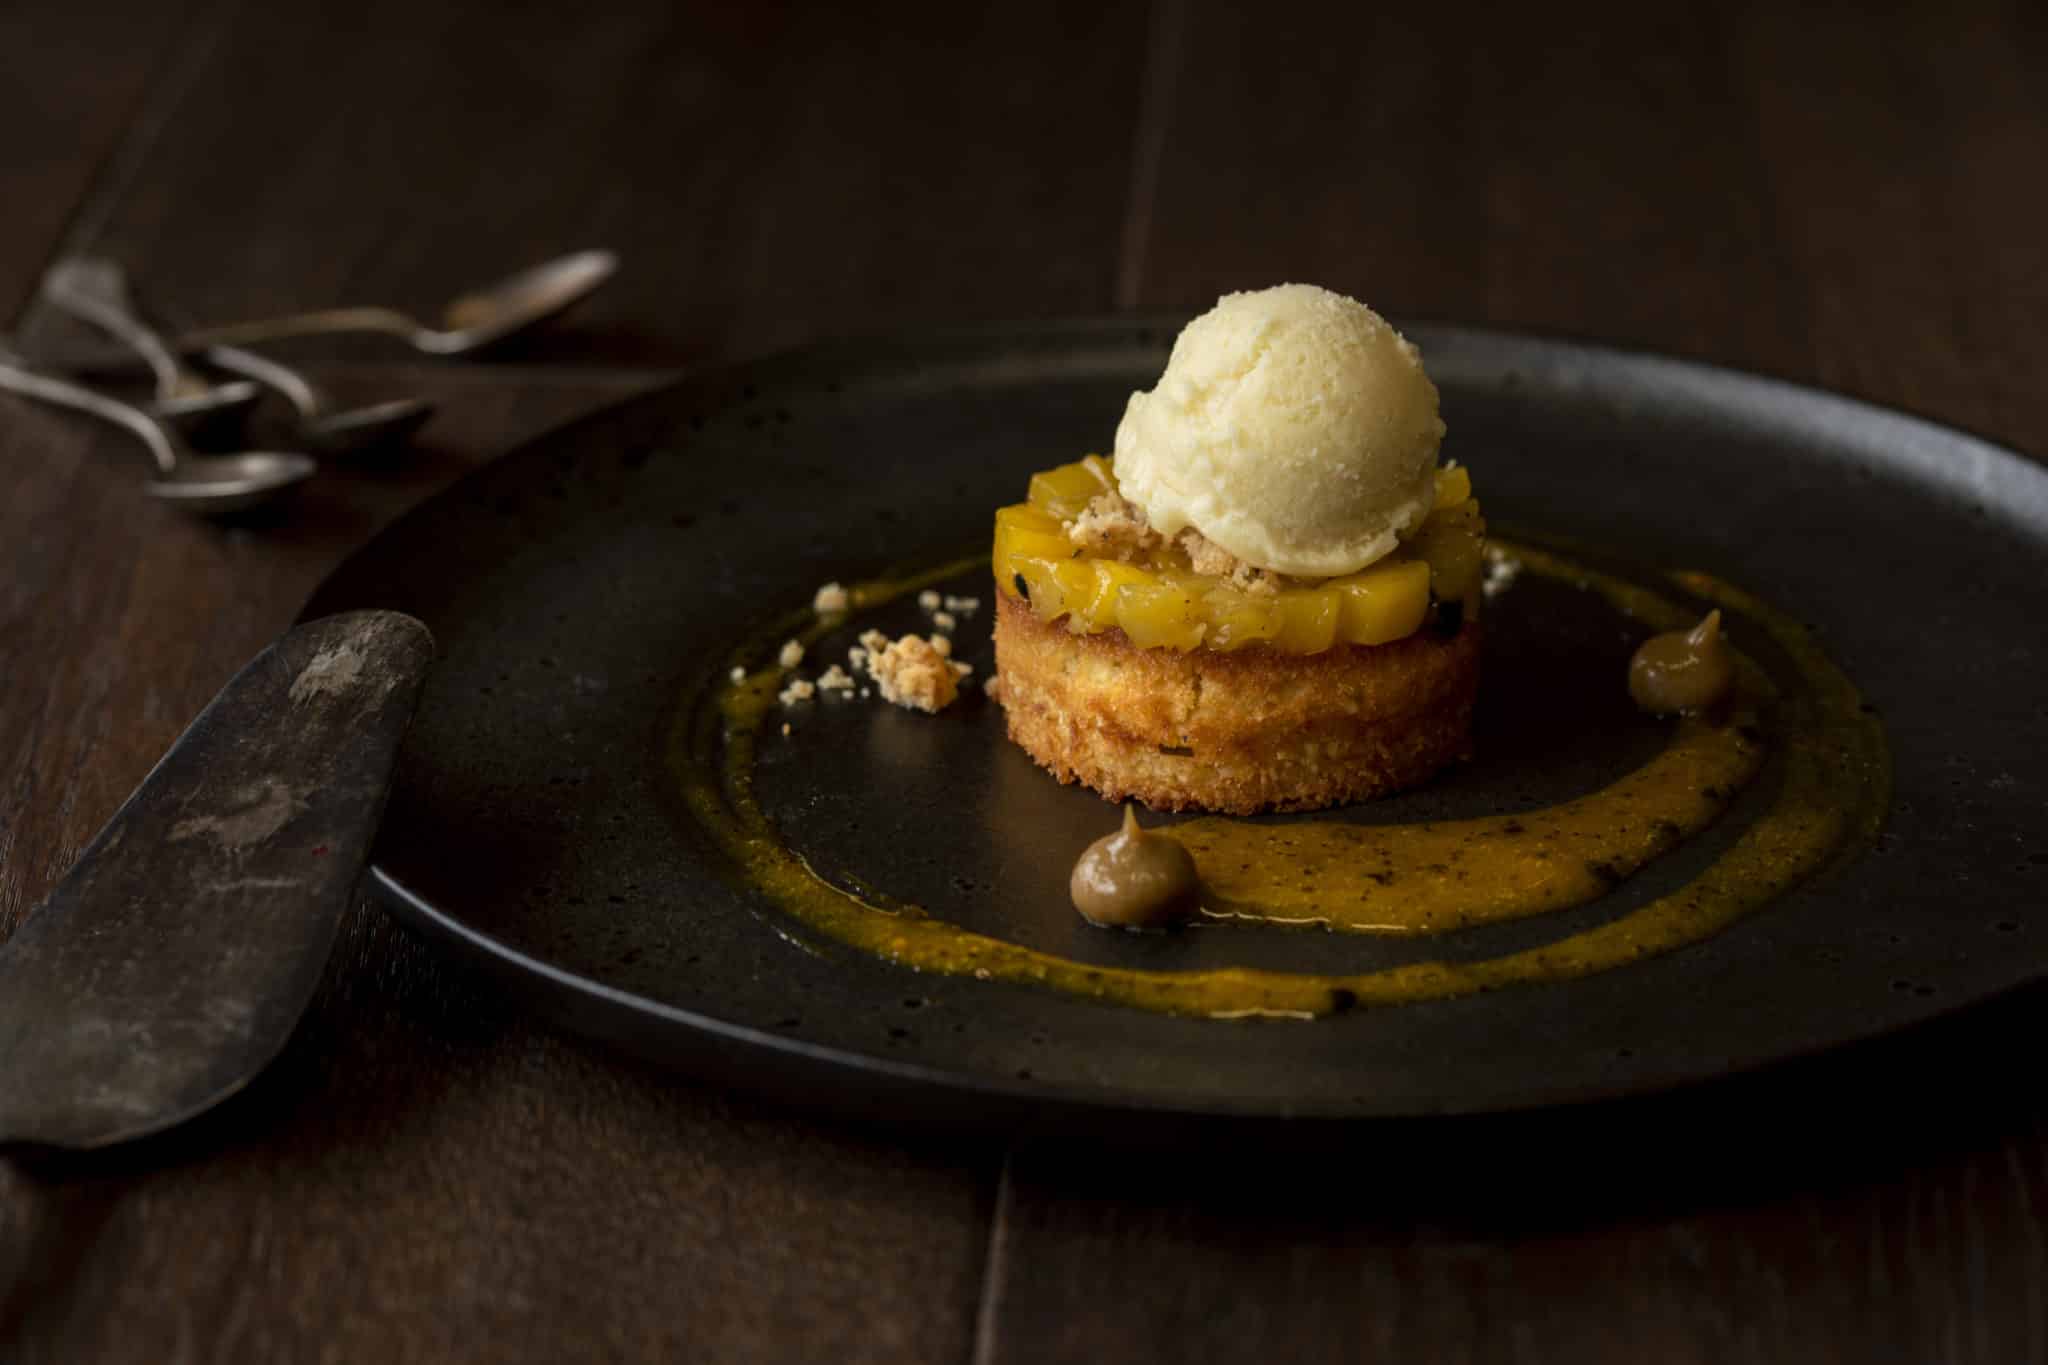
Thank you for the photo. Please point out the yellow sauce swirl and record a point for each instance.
(1421, 879)
(1402, 879)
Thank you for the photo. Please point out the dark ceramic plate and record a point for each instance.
(584, 588)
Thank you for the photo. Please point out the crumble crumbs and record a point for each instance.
(1113, 528)
(912, 673)
(1502, 569)
(831, 598)
(929, 600)
(966, 606)
(738, 674)
(917, 672)
(1206, 556)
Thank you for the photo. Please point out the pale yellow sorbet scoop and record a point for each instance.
(1293, 427)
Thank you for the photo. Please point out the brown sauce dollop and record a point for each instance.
(1685, 672)
(1134, 879)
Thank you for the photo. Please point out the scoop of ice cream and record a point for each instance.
(1293, 427)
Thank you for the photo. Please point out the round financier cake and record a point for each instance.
(1236, 732)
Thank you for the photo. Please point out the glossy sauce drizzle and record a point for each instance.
(1415, 879)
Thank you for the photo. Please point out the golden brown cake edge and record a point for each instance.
(1255, 729)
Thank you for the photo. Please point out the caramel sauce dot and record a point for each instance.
(1683, 672)
(1134, 879)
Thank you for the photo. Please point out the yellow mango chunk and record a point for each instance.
(1016, 542)
(1238, 618)
(1385, 601)
(1160, 614)
(1024, 516)
(1308, 620)
(1066, 491)
(1159, 604)
(1452, 542)
(1100, 605)
(1074, 584)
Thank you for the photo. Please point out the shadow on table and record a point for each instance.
(1949, 1091)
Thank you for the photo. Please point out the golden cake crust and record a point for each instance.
(1255, 729)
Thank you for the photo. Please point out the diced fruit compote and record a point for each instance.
(1160, 602)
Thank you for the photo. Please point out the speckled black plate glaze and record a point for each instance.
(583, 586)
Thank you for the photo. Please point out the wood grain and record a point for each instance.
(1794, 189)
(1881, 1205)
(769, 173)
(425, 1176)
(77, 83)
(1821, 193)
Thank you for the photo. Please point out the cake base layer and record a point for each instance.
(1240, 732)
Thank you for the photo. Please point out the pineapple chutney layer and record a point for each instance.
(1075, 549)
(1163, 668)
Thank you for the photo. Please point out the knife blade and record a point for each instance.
(173, 961)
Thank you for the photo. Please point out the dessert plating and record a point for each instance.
(1270, 600)
(1127, 670)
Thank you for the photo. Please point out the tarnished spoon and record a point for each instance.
(96, 291)
(472, 321)
(323, 428)
(210, 485)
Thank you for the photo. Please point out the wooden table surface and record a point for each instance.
(1815, 193)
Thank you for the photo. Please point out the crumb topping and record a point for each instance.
(831, 598)
(1502, 569)
(1113, 527)
(929, 599)
(1206, 556)
(917, 672)
(912, 673)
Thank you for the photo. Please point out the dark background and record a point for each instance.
(1830, 194)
